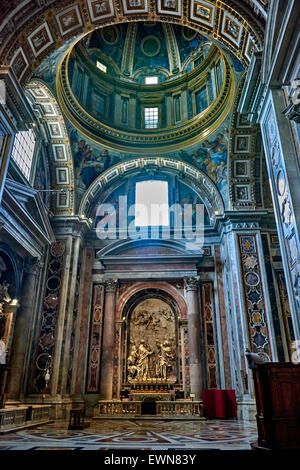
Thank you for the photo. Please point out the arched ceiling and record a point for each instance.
(201, 183)
(31, 30)
(47, 110)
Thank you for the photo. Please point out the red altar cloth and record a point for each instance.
(219, 404)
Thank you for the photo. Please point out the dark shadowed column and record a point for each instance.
(23, 325)
(108, 342)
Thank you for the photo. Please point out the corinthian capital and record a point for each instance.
(191, 283)
(111, 285)
(32, 265)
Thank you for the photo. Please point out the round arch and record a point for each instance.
(199, 181)
(144, 286)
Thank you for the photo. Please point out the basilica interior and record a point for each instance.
(149, 212)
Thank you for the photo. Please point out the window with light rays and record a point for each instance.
(151, 118)
(23, 151)
(153, 196)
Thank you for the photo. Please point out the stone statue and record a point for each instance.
(131, 362)
(2, 352)
(152, 343)
(166, 359)
(254, 359)
(4, 295)
(143, 361)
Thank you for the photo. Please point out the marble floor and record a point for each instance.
(135, 434)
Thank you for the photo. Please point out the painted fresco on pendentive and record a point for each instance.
(90, 159)
(211, 156)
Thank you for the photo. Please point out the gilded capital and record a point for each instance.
(191, 283)
(111, 285)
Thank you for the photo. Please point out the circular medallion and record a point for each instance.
(110, 35)
(211, 355)
(42, 361)
(53, 283)
(252, 279)
(150, 46)
(281, 183)
(57, 249)
(188, 34)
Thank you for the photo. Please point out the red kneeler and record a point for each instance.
(219, 404)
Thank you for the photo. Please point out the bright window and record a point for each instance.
(23, 150)
(152, 203)
(151, 118)
(101, 66)
(151, 80)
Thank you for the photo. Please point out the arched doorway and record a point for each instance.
(152, 362)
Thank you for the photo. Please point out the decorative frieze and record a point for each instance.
(254, 295)
(93, 374)
(278, 139)
(44, 354)
(211, 352)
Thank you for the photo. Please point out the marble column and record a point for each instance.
(191, 294)
(66, 360)
(108, 343)
(24, 320)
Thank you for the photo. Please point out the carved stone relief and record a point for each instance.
(152, 343)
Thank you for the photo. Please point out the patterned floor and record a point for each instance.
(135, 434)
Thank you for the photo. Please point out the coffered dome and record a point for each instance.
(148, 85)
(136, 50)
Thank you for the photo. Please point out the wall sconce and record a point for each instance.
(47, 377)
